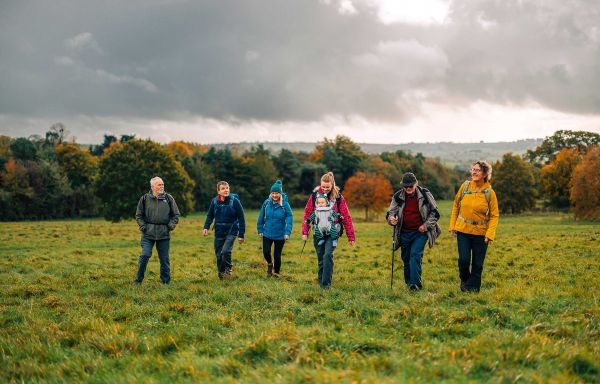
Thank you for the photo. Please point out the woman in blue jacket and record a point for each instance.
(274, 225)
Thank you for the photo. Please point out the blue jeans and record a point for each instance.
(412, 245)
(325, 260)
(162, 247)
(223, 246)
(471, 254)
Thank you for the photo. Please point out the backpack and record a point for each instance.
(284, 199)
(232, 197)
(337, 204)
(424, 192)
(169, 200)
(465, 191)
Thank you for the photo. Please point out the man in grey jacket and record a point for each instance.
(414, 213)
(157, 215)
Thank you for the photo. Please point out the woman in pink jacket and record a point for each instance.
(326, 248)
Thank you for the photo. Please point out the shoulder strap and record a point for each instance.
(313, 198)
(424, 192)
(464, 191)
(264, 208)
(337, 201)
(170, 201)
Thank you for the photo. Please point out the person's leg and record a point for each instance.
(463, 241)
(327, 263)
(479, 251)
(219, 242)
(277, 255)
(320, 249)
(405, 243)
(226, 253)
(267, 243)
(416, 258)
(147, 245)
(162, 246)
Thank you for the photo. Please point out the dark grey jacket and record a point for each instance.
(159, 217)
(429, 214)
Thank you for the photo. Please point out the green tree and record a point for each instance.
(552, 145)
(341, 156)
(23, 149)
(585, 191)
(514, 183)
(288, 170)
(126, 170)
(81, 168)
(204, 180)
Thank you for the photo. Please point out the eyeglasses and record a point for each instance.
(474, 170)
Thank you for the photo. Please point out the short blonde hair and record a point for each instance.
(221, 183)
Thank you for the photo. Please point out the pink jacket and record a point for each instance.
(343, 210)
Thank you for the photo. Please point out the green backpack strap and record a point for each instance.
(465, 190)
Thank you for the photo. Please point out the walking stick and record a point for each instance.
(393, 256)
(302, 251)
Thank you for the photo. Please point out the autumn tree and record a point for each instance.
(514, 183)
(371, 192)
(556, 177)
(585, 191)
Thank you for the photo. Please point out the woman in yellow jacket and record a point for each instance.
(474, 220)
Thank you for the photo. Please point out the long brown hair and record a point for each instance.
(335, 190)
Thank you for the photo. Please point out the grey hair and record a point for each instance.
(152, 180)
(486, 169)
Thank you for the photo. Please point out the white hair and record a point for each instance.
(154, 179)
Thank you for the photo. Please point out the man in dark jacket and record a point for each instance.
(228, 214)
(157, 215)
(415, 214)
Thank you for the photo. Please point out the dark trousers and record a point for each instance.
(162, 247)
(412, 245)
(471, 254)
(223, 246)
(325, 260)
(267, 244)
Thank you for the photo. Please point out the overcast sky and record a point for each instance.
(379, 71)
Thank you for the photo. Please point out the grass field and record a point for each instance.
(68, 311)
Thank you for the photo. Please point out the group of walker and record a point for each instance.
(413, 213)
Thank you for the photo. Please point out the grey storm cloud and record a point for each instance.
(278, 60)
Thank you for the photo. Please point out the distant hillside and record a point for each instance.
(451, 154)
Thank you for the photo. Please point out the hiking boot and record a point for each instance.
(221, 275)
(463, 286)
(276, 275)
(270, 270)
(228, 271)
(136, 282)
(414, 287)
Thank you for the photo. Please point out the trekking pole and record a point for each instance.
(393, 256)
(302, 251)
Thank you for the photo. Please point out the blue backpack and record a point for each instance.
(284, 200)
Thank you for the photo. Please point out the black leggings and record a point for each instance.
(267, 252)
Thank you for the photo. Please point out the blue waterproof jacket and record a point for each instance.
(228, 216)
(275, 220)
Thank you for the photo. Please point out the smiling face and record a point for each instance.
(326, 186)
(476, 173)
(275, 196)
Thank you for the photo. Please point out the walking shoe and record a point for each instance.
(414, 287)
(136, 282)
(276, 275)
(270, 270)
(228, 271)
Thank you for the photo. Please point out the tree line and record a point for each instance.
(51, 176)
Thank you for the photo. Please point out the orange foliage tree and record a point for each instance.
(585, 190)
(371, 192)
(556, 176)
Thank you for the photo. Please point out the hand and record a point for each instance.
(205, 232)
(487, 240)
(422, 228)
(260, 235)
(394, 220)
(286, 238)
(241, 240)
(351, 242)
(304, 237)
(452, 232)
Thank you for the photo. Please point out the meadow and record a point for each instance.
(69, 313)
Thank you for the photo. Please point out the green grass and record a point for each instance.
(69, 313)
